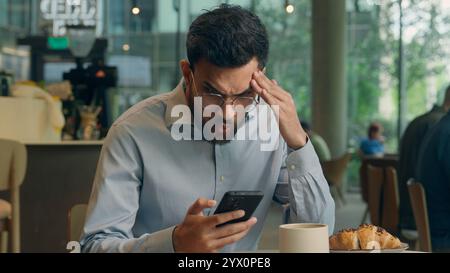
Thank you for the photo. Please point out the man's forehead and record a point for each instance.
(236, 91)
(229, 81)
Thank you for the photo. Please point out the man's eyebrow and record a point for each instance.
(216, 91)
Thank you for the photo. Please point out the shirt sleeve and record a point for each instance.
(301, 183)
(114, 201)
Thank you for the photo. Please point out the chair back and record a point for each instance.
(375, 181)
(77, 217)
(420, 211)
(391, 201)
(334, 170)
(13, 165)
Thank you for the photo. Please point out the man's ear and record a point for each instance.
(185, 67)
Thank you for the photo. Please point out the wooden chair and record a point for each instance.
(334, 171)
(420, 211)
(388, 160)
(5, 213)
(363, 181)
(76, 219)
(383, 197)
(391, 201)
(375, 180)
(13, 162)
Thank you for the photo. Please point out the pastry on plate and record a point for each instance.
(365, 237)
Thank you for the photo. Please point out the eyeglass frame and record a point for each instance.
(256, 99)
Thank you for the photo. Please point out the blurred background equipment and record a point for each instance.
(30, 114)
(62, 90)
(77, 58)
(90, 84)
(6, 80)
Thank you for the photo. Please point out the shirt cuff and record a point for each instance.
(301, 161)
(161, 241)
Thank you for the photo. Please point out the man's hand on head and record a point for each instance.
(274, 95)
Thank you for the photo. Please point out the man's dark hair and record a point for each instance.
(228, 36)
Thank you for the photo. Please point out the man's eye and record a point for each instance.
(208, 90)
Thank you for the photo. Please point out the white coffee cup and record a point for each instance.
(304, 238)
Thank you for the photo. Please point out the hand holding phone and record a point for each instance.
(247, 201)
(200, 233)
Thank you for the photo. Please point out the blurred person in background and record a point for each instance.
(410, 146)
(373, 145)
(434, 173)
(319, 144)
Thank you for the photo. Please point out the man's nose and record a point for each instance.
(228, 111)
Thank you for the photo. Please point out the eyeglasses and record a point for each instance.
(249, 103)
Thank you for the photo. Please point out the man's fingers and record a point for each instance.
(263, 93)
(271, 100)
(226, 217)
(270, 85)
(258, 89)
(199, 205)
(232, 229)
(220, 243)
(262, 80)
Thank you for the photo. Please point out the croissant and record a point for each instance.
(364, 237)
(368, 237)
(345, 240)
(388, 241)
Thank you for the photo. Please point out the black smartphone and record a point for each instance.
(247, 201)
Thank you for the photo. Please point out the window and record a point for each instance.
(372, 64)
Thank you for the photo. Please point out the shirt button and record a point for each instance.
(222, 178)
(292, 167)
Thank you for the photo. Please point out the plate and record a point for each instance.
(403, 247)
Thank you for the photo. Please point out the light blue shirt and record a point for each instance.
(146, 181)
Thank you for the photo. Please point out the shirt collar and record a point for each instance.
(176, 97)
